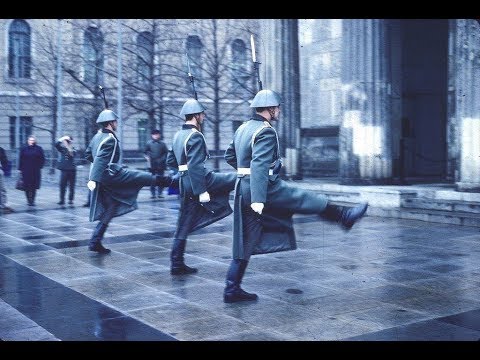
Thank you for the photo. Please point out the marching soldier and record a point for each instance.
(204, 194)
(264, 204)
(114, 188)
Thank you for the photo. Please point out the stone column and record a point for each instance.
(281, 73)
(290, 117)
(466, 45)
(365, 134)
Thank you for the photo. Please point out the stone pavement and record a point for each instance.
(386, 279)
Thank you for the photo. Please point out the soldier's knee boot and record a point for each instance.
(233, 292)
(178, 266)
(345, 216)
(95, 243)
(164, 181)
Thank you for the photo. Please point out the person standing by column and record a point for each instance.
(32, 159)
(264, 204)
(4, 208)
(156, 154)
(204, 194)
(114, 188)
(67, 167)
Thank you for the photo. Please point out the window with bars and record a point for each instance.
(239, 65)
(26, 126)
(93, 56)
(19, 42)
(142, 131)
(145, 57)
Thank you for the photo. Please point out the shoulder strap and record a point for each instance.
(110, 135)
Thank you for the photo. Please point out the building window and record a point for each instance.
(93, 56)
(239, 64)
(142, 131)
(19, 61)
(145, 57)
(26, 125)
(194, 51)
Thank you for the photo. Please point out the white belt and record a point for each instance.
(183, 167)
(247, 171)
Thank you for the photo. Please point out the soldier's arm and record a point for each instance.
(102, 159)
(196, 150)
(60, 147)
(230, 155)
(88, 153)
(171, 160)
(42, 158)
(262, 156)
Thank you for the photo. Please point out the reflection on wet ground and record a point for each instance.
(386, 279)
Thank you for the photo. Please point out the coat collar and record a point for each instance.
(188, 127)
(257, 117)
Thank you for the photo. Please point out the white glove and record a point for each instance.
(91, 185)
(257, 207)
(204, 197)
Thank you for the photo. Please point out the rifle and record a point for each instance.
(192, 79)
(104, 98)
(256, 63)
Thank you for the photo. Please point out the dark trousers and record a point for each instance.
(252, 229)
(30, 194)
(152, 187)
(67, 177)
(110, 205)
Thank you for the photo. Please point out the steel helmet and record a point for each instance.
(106, 115)
(192, 106)
(265, 98)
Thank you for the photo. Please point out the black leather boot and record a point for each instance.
(345, 216)
(163, 181)
(95, 243)
(178, 266)
(233, 292)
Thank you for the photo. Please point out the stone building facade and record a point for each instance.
(383, 101)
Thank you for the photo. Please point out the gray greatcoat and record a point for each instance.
(112, 179)
(189, 154)
(255, 147)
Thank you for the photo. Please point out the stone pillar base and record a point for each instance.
(359, 181)
(467, 187)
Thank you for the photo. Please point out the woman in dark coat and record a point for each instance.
(32, 159)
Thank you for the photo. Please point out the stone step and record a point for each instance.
(441, 204)
(430, 215)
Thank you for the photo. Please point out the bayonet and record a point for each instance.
(256, 63)
(103, 93)
(192, 79)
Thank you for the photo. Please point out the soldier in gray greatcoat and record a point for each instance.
(204, 194)
(264, 204)
(114, 188)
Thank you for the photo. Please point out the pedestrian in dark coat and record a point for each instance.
(156, 154)
(66, 165)
(204, 194)
(32, 159)
(4, 208)
(115, 188)
(264, 204)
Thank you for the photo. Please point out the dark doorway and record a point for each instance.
(424, 99)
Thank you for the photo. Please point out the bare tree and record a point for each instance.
(227, 77)
(91, 41)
